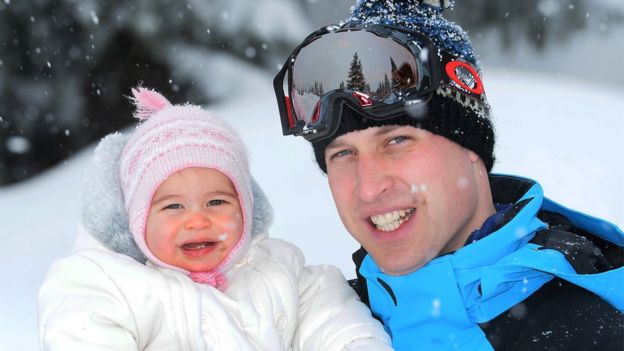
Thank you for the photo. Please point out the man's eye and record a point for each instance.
(398, 140)
(173, 207)
(216, 202)
(341, 153)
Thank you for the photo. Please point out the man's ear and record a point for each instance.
(473, 156)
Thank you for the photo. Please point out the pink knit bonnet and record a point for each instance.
(171, 138)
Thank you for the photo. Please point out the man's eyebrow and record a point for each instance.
(379, 132)
(335, 143)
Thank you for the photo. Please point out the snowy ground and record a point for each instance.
(566, 134)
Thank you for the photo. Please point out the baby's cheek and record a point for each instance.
(235, 229)
(233, 225)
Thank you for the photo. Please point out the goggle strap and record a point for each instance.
(283, 101)
(289, 114)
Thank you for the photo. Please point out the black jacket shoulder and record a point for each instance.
(561, 315)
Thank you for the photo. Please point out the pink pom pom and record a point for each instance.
(147, 102)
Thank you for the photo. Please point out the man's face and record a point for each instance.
(405, 194)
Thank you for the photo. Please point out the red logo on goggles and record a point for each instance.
(465, 76)
(363, 99)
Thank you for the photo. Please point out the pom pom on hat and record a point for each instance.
(147, 102)
(422, 16)
(441, 4)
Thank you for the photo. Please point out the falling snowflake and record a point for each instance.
(95, 18)
(414, 189)
(462, 182)
(17, 144)
(436, 308)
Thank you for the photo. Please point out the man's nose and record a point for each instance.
(197, 220)
(372, 179)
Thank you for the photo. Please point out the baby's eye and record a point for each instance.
(216, 202)
(398, 140)
(173, 207)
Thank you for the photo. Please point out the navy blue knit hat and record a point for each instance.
(450, 112)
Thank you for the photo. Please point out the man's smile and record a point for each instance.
(390, 221)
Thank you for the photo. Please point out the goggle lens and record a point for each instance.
(376, 70)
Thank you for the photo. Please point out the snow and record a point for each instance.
(233, 16)
(565, 134)
(594, 55)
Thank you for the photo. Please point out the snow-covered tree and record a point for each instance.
(539, 22)
(355, 76)
(66, 65)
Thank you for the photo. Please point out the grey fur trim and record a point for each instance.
(262, 210)
(103, 213)
(102, 210)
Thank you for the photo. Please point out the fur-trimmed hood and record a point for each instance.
(102, 207)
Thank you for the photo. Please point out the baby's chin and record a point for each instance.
(198, 263)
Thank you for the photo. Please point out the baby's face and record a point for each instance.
(194, 220)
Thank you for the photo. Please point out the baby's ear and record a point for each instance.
(262, 210)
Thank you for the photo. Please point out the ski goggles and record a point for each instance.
(380, 71)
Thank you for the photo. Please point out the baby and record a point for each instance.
(173, 253)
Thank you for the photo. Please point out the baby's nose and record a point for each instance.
(197, 220)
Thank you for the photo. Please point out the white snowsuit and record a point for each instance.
(101, 299)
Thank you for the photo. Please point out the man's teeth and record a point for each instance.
(392, 220)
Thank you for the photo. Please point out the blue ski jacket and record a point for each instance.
(443, 305)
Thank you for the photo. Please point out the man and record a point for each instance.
(452, 256)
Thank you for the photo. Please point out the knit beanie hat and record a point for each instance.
(450, 112)
(171, 138)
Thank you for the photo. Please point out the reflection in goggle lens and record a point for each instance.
(351, 60)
